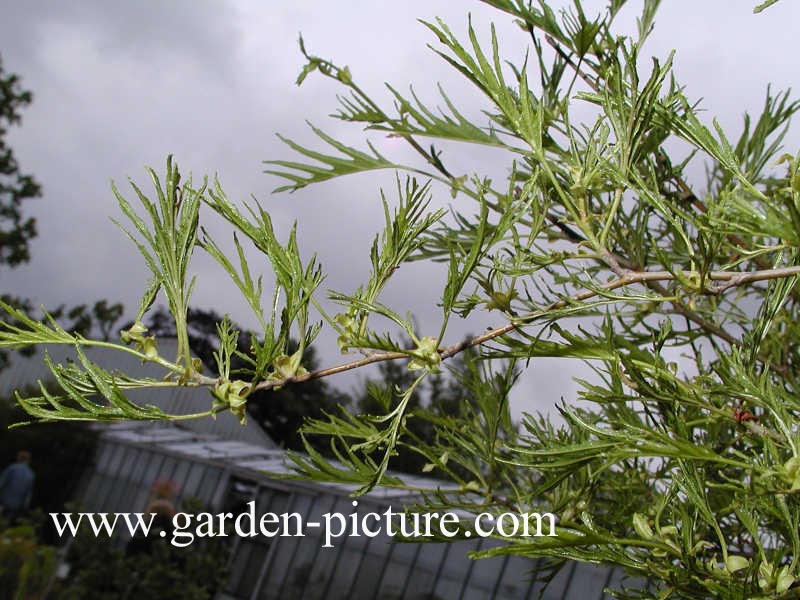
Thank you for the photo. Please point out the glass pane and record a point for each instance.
(90, 496)
(516, 579)
(238, 567)
(325, 561)
(288, 553)
(166, 470)
(425, 569)
(455, 570)
(240, 491)
(370, 572)
(484, 572)
(273, 500)
(114, 460)
(120, 496)
(152, 470)
(139, 497)
(129, 459)
(557, 588)
(192, 483)
(180, 474)
(143, 458)
(209, 485)
(103, 491)
(587, 582)
(343, 573)
(104, 452)
(397, 573)
(248, 564)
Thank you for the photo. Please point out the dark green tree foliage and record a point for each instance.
(99, 319)
(16, 230)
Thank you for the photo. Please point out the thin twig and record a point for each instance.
(630, 278)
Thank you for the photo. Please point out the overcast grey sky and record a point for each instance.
(119, 85)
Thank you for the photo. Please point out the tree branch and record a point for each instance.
(731, 280)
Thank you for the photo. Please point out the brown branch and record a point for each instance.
(730, 280)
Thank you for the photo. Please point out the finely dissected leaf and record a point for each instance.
(691, 129)
(520, 117)
(18, 330)
(764, 5)
(169, 238)
(405, 232)
(352, 161)
(368, 438)
(416, 119)
(91, 394)
(777, 293)
(296, 281)
(242, 278)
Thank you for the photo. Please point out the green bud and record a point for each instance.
(343, 342)
(714, 567)
(458, 182)
(673, 367)
(765, 573)
(791, 472)
(670, 531)
(344, 320)
(642, 527)
(289, 366)
(501, 300)
(426, 356)
(736, 563)
(700, 546)
(228, 394)
(286, 367)
(785, 580)
(149, 347)
(344, 76)
(348, 324)
(134, 334)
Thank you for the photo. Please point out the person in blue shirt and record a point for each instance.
(16, 487)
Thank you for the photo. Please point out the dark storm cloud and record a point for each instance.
(201, 29)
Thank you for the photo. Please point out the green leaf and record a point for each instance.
(301, 174)
(764, 5)
(91, 394)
